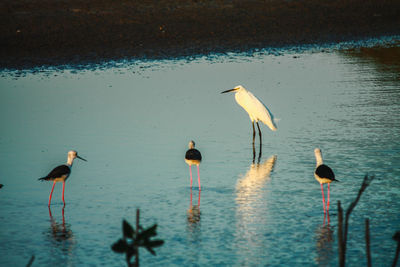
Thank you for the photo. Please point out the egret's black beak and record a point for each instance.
(227, 91)
(81, 158)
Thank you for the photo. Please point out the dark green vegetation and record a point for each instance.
(46, 32)
(133, 239)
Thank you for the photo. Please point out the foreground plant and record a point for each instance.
(133, 239)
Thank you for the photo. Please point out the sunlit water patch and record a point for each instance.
(133, 122)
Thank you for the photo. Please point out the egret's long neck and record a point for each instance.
(318, 157)
(70, 161)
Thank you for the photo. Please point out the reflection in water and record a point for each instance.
(194, 229)
(250, 209)
(385, 59)
(62, 240)
(248, 187)
(193, 213)
(60, 232)
(259, 154)
(324, 242)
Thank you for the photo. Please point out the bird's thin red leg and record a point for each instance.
(198, 176)
(191, 180)
(63, 193)
(327, 205)
(51, 193)
(323, 197)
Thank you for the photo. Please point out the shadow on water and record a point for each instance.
(324, 242)
(61, 238)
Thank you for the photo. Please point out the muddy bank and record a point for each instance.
(53, 32)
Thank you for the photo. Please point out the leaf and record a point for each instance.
(131, 252)
(127, 229)
(151, 250)
(147, 233)
(120, 246)
(155, 243)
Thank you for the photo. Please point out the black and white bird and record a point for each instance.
(193, 157)
(324, 175)
(61, 173)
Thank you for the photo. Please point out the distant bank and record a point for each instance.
(53, 32)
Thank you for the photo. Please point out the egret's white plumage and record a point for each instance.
(256, 109)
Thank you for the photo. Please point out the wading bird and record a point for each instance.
(323, 174)
(61, 173)
(193, 157)
(255, 108)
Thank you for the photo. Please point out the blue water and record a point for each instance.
(133, 123)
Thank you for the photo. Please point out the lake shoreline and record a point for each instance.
(40, 33)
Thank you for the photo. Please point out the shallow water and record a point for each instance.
(133, 122)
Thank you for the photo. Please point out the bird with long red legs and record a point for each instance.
(324, 175)
(61, 173)
(193, 157)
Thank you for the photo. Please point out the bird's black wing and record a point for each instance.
(324, 171)
(193, 154)
(57, 172)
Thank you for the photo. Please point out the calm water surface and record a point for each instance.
(133, 124)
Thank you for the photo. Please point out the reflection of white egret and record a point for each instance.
(255, 178)
(61, 173)
(193, 157)
(324, 175)
(251, 209)
(254, 107)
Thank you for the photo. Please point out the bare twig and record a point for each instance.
(367, 243)
(342, 245)
(396, 237)
(31, 261)
(137, 232)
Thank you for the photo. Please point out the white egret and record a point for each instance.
(324, 175)
(193, 157)
(61, 173)
(256, 109)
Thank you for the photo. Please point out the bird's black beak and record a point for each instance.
(81, 158)
(227, 91)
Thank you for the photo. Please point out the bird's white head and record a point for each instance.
(239, 87)
(191, 144)
(318, 156)
(236, 89)
(72, 155)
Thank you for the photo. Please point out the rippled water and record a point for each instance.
(133, 124)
